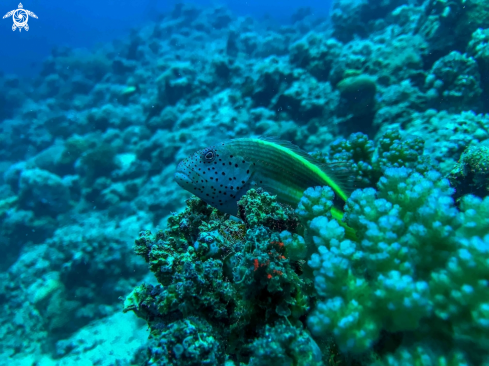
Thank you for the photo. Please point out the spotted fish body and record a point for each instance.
(217, 175)
(221, 174)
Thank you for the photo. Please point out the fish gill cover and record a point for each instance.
(395, 90)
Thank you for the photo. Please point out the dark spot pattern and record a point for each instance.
(233, 167)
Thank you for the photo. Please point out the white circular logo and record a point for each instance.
(20, 17)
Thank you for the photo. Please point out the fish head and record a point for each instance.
(218, 175)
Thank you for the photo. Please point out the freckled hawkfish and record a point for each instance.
(221, 174)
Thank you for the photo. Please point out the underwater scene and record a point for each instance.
(244, 183)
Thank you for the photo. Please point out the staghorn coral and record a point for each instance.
(315, 202)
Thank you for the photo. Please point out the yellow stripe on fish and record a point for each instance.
(221, 174)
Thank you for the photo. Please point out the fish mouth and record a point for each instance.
(183, 180)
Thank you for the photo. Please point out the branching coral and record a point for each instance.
(366, 161)
(416, 267)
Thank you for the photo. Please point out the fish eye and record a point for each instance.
(209, 155)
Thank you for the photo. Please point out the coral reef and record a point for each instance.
(416, 267)
(412, 276)
(454, 83)
(391, 94)
(471, 174)
(249, 284)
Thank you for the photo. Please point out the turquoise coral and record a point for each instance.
(416, 266)
(316, 201)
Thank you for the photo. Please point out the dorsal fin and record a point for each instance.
(340, 173)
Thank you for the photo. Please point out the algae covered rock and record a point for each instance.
(260, 208)
(471, 174)
(454, 83)
(447, 135)
(479, 50)
(358, 93)
(96, 162)
(307, 99)
(315, 53)
(285, 345)
(358, 18)
(43, 192)
(250, 285)
(475, 14)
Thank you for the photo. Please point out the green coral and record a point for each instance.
(477, 48)
(365, 162)
(471, 174)
(419, 267)
(260, 208)
(284, 345)
(233, 278)
(358, 152)
(421, 355)
(397, 152)
(315, 202)
(411, 289)
(358, 93)
(295, 244)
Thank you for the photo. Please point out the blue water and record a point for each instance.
(86, 23)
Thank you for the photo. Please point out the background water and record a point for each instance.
(86, 23)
